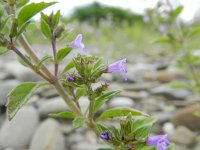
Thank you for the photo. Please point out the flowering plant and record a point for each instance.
(134, 130)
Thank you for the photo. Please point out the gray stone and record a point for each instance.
(172, 94)
(6, 87)
(18, 132)
(54, 105)
(121, 101)
(20, 72)
(182, 135)
(48, 136)
(88, 146)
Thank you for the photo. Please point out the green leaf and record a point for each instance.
(56, 19)
(177, 11)
(45, 29)
(69, 66)
(120, 111)
(162, 40)
(3, 50)
(19, 96)
(22, 29)
(194, 32)
(28, 11)
(62, 53)
(78, 122)
(144, 147)
(65, 114)
(141, 127)
(45, 58)
(80, 92)
(103, 98)
(3, 23)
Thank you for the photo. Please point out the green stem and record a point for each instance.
(53, 43)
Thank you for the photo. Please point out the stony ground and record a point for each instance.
(146, 89)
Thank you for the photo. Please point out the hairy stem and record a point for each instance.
(53, 43)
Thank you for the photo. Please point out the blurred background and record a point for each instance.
(160, 39)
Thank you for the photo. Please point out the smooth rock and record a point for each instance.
(186, 117)
(53, 105)
(20, 72)
(17, 133)
(182, 135)
(168, 128)
(48, 136)
(6, 87)
(121, 101)
(172, 94)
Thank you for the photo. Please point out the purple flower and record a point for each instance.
(77, 43)
(105, 136)
(70, 79)
(159, 141)
(162, 28)
(118, 67)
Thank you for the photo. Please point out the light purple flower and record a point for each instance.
(105, 136)
(70, 79)
(159, 141)
(118, 67)
(77, 43)
(162, 28)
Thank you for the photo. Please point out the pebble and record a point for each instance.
(121, 101)
(48, 136)
(17, 133)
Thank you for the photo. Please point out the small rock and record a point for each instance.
(88, 146)
(53, 105)
(172, 94)
(135, 95)
(121, 101)
(6, 87)
(186, 117)
(17, 133)
(48, 136)
(168, 128)
(49, 93)
(20, 72)
(182, 135)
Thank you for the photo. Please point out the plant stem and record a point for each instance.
(30, 51)
(66, 98)
(53, 43)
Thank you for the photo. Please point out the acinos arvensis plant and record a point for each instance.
(134, 126)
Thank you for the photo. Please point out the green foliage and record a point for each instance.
(19, 96)
(69, 66)
(117, 112)
(95, 12)
(62, 53)
(45, 58)
(65, 114)
(30, 10)
(45, 29)
(78, 122)
(103, 98)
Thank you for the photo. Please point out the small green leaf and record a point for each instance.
(162, 40)
(19, 96)
(103, 98)
(3, 50)
(69, 66)
(56, 19)
(3, 23)
(194, 32)
(177, 11)
(62, 53)
(120, 111)
(28, 11)
(65, 114)
(45, 29)
(78, 122)
(45, 58)
(80, 92)
(197, 113)
(22, 29)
